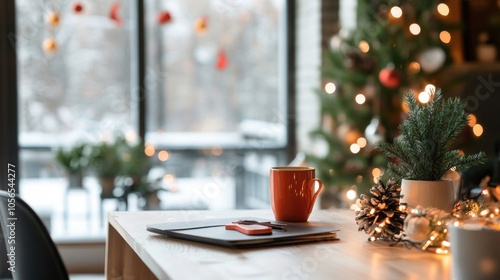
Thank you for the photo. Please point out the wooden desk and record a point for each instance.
(133, 251)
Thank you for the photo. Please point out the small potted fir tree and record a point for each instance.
(423, 152)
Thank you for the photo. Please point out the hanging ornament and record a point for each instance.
(53, 18)
(379, 215)
(431, 59)
(49, 45)
(164, 17)
(113, 13)
(200, 25)
(221, 60)
(77, 7)
(374, 132)
(389, 77)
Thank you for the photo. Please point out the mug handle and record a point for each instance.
(311, 185)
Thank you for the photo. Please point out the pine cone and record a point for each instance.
(379, 215)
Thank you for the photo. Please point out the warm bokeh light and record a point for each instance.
(361, 142)
(355, 148)
(351, 194)
(360, 98)
(430, 89)
(131, 136)
(445, 36)
(352, 136)
(472, 120)
(405, 108)
(414, 67)
(415, 29)
(423, 97)
(396, 12)
(364, 46)
(443, 9)
(477, 130)
(359, 179)
(216, 151)
(149, 150)
(376, 172)
(168, 178)
(330, 88)
(163, 155)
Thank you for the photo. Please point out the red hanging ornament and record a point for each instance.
(77, 7)
(201, 25)
(389, 77)
(113, 14)
(221, 60)
(164, 17)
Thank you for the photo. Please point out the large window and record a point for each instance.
(217, 60)
(214, 87)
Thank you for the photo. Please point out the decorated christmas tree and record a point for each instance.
(397, 46)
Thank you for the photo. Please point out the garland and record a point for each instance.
(384, 218)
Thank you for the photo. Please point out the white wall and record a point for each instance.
(308, 64)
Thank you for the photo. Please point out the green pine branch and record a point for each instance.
(423, 151)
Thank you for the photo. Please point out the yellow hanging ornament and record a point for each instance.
(49, 45)
(53, 18)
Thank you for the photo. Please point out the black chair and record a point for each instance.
(36, 256)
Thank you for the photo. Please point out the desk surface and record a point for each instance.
(351, 257)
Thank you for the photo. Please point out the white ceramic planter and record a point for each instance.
(437, 194)
(475, 252)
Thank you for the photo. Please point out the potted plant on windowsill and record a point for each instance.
(423, 152)
(74, 161)
(136, 165)
(105, 161)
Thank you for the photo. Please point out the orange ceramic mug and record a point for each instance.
(293, 192)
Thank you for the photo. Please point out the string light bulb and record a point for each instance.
(396, 12)
(414, 67)
(163, 155)
(330, 88)
(477, 129)
(430, 89)
(361, 142)
(424, 97)
(149, 150)
(445, 36)
(360, 98)
(472, 120)
(351, 194)
(364, 47)
(355, 148)
(376, 172)
(415, 28)
(443, 9)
